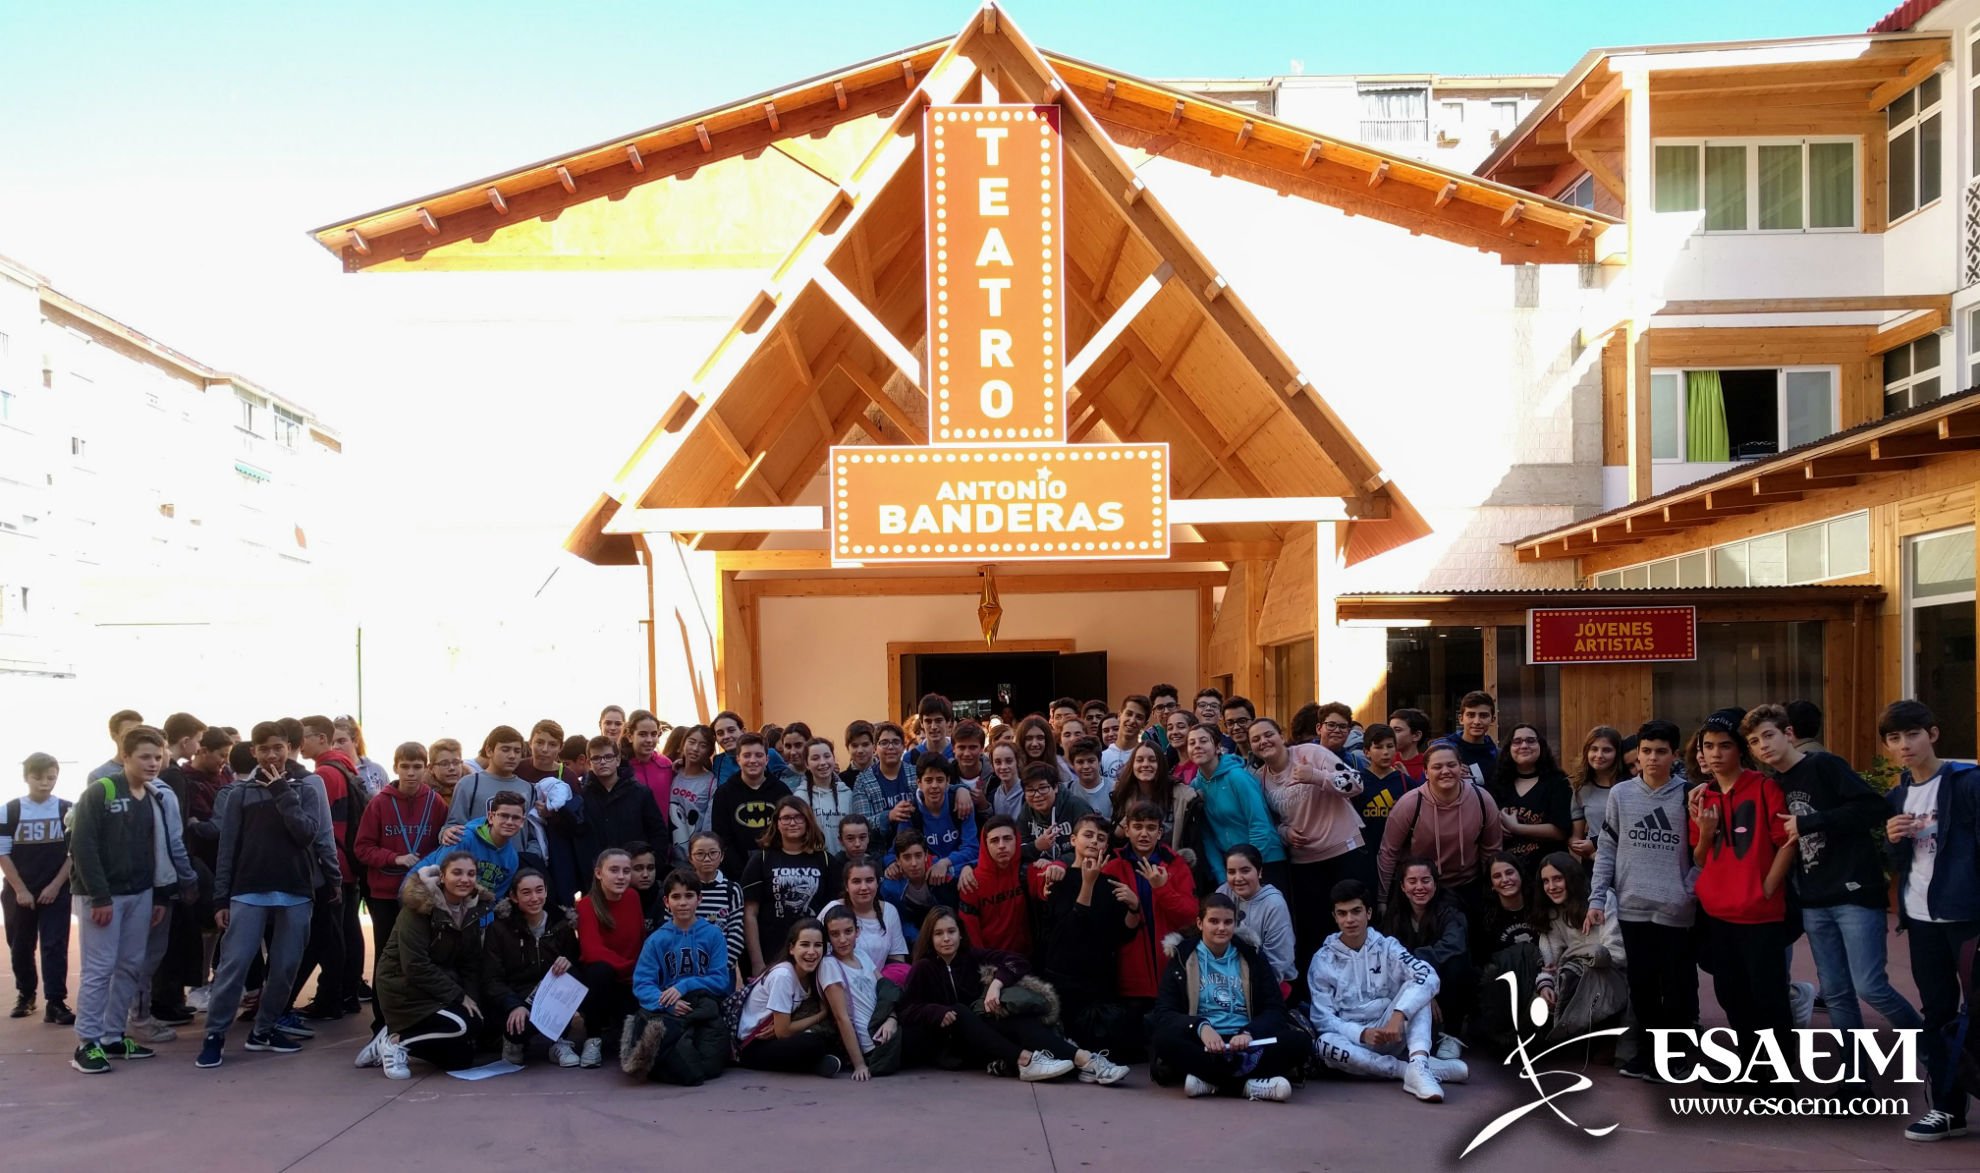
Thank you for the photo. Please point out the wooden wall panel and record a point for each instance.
(1600, 694)
(1615, 427)
(1758, 345)
(1289, 607)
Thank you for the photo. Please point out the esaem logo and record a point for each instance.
(1807, 1055)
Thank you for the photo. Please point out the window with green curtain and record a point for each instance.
(1705, 437)
(1832, 185)
(1725, 189)
(1780, 185)
(1677, 179)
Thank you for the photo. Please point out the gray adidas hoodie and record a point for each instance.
(1641, 857)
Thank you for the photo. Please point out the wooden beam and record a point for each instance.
(1902, 84)
(1445, 193)
(1959, 427)
(868, 585)
(727, 438)
(1603, 173)
(1513, 214)
(1806, 305)
(1823, 468)
(1102, 338)
(1605, 100)
(1635, 97)
(1380, 173)
(1906, 331)
(871, 326)
(895, 414)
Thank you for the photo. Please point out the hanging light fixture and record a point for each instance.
(989, 612)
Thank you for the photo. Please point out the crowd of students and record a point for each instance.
(1232, 902)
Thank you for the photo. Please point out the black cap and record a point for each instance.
(1726, 720)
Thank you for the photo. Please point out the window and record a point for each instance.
(1911, 374)
(1582, 194)
(1973, 100)
(288, 426)
(1727, 415)
(1939, 597)
(78, 447)
(1453, 114)
(1744, 664)
(247, 413)
(1505, 116)
(1395, 114)
(1916, 131)
(1973, 347)
(6, 407)
(1431, 668)
(1836, 548)
(1768, 185)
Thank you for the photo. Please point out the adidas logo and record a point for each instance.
(1655, 830)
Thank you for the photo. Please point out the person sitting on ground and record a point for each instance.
(721, 899)
(1370, 1003)
(787, 1022)
(915, 893)
(1582, 966)
(534, 938)
(1264, 921)
(680, 983)
(995, 906)
(1090, 916)
(646, 883)
(1432, 927)
(1217, 1004)
(861, 995)
(609, 937)
(429, 982)
(1503, 941)
(881, 939)
(953, 1009)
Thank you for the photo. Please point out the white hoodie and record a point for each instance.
(1352, 989)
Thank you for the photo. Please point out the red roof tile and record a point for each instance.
(1905, 16)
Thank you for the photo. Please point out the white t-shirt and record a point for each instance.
(862, 982)
(1100, 798)
(777, 992)
(1112, 759)
(879, 938)
(1922, 801)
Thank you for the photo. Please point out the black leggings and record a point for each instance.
(799, 1052)
(1004, 1039)
(1182, 1049)
(444, 1038)
(607, 999)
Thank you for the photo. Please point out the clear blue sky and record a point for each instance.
(163, 160)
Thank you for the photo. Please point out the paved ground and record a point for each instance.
(314, 1111)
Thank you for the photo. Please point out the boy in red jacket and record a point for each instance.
(1741, 840)
(1167, 893)
(995, 908)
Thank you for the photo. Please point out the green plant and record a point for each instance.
(1882, 774)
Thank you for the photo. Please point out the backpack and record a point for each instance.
(1417, 813)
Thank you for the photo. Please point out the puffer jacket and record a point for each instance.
(1177, 999)
(517, 959)
(432, 961)
(1352, 989)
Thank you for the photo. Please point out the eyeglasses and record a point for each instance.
(1336, 726)
(797, 820)
(1525, 741)
(704, 855)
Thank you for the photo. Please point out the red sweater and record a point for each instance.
(1732, 884)
(997, 915)
(393, 825)
(1170, 908)
(618, 946)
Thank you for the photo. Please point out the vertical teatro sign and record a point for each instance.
(998, 481)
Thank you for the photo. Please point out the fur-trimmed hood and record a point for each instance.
(1039, 986)
(420, 894)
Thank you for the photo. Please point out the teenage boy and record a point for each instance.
(995, 908)
(1238, 716)
(934, 814)
(967, 745)
(883, 792)
(1093, 713)
(262, 889)
(1806, 717)
(492, 842)
(551, 793)
(1166, 892)
(1383, 781)
(34, 859)
(1089, 916)
(1934, 836)
(937, 716)
(1741, 844)
(914, 891)
(1045, 828)
(1641, 859)
(728, 729)
(611, 810)
(114, 842)
(1134, 718)
(336, 940)
(1371, 1003)
(121, 722)
(1840, 881)
(1058, 713)
(175, 886)
(859, 751)
(1088, 786)
(1412, 730)
(855, 837)
(1473, 739)
(503, 748)
(744, 805)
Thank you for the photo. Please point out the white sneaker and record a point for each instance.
(1278, 1089)
(1448, 1047)
(513, 1052)
(153, 1032)
(594, 1053)
(564, 1054)
(374, 1051)
(1801, 1003)
(397, 1064)
(1102, 1070)
(1419, 1082)
(1195, 1088)
(1043, 1065)
(198, 997)
(1449, 1070)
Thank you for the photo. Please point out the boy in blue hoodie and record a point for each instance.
(492, 842)
(1473, 739)
(949, 833)
(680, 982)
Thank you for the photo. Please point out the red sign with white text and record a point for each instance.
(1611, 635)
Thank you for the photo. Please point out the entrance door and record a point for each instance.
(981, 685)
(1080, 675)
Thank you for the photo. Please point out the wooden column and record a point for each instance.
(736, 649)
(1638, 207)
(1248, 675)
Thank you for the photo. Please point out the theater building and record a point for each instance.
(1265, 408)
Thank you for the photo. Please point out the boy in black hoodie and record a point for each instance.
(1089, 916)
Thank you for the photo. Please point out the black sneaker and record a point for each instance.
(272, 1040)
(209, 1055)
(1936, 1125)
(1640, 1066)
(364, 992)
(353, 1006)
(320, 1012)
(90, 1059)
(58, 1012)
(23, 1006)
(129, 1048)
(829, 1066)
(172, 1015)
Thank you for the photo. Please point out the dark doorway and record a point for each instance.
(981, 685)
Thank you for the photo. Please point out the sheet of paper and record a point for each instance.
(486, 1070)
(557, 998)
(1257, 1043)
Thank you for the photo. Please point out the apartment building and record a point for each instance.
(159, 518)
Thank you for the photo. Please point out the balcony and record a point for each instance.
(1969, 273)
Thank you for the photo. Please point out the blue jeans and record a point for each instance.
(1848, 943)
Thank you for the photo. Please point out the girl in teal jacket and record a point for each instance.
(1233, 805)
